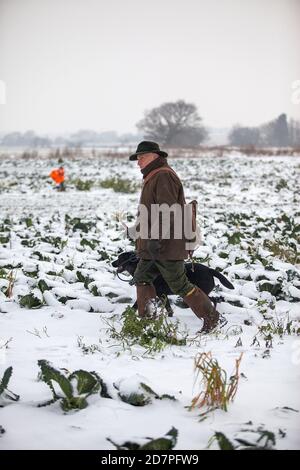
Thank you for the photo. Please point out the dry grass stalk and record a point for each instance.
(11, 282)
(217, 391)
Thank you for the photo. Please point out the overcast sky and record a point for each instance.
(77, 64)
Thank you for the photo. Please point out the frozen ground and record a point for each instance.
(249, 212)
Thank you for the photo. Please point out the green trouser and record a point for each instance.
(173, 273)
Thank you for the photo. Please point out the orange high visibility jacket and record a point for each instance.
(58, 175)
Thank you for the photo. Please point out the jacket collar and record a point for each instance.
(157, 163)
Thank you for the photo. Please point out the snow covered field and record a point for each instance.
(61, 301)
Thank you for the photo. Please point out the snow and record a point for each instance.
(294, 292)
(85, 296)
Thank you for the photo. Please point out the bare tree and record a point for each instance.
(275, 133)
(244, 136)
(294, 133)
(175, 124)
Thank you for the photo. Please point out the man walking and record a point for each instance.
(164, 252)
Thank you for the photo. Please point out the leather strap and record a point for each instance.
(157, 170)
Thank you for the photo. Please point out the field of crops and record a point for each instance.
(86, 374)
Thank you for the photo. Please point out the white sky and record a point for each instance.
(77, 64)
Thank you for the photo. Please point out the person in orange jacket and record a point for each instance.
(58, 175)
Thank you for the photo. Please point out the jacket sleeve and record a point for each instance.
(166, 191)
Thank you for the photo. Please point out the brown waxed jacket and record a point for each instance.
(163, 187)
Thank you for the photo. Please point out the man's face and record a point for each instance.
(146, 158)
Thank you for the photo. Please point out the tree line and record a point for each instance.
(173, 124)
(179, 125)
(277, 133)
